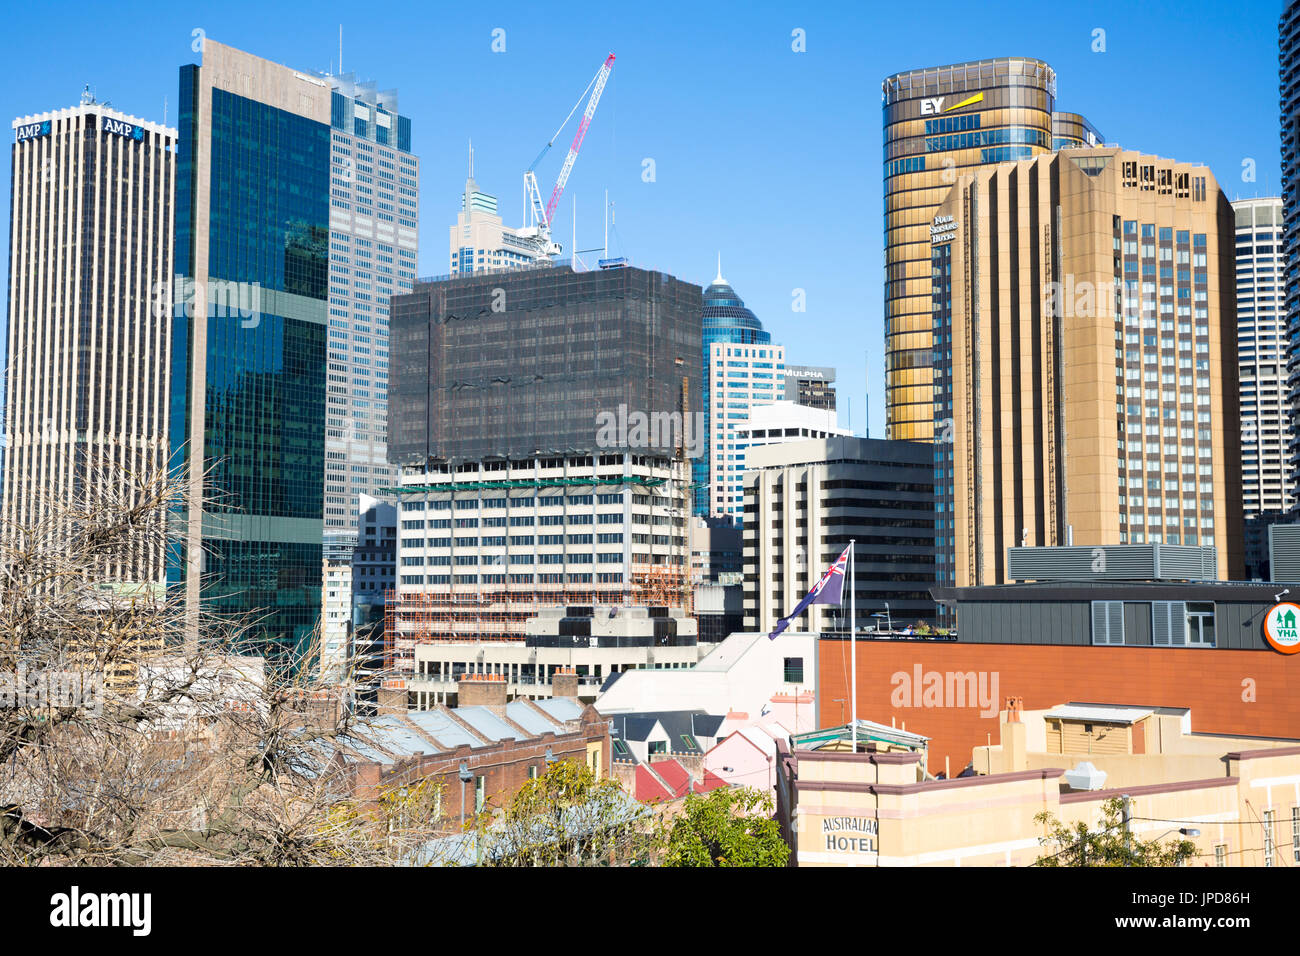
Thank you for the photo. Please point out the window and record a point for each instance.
(619, 747)
(1295, 833)
(1169, 623)
(1221, 854)
(480, 793)
(1269, 848)
(1200, 624)
(657, 747)
(689, 742)
(794, 670)
(1108, 622)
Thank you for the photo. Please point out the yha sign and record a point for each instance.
(1282, 628)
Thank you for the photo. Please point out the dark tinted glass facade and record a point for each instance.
(521, 363)
(1288, 77)
(263, 388)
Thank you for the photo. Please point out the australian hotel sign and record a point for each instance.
(850, 834)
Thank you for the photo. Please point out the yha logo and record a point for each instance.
(76, 909)
(1282, 628)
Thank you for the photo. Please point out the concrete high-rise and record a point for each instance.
(939, 122)
(810, 385)
(1086, 363)
(90, 269)
(1261, 364)
(480, 242)
(248, 384)
(374, 242)
(805, 500)
(542, 420)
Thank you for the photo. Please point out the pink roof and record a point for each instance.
(648, 789)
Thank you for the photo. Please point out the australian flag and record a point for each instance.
(828, 590)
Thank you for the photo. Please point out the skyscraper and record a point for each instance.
(1086, 362)
(248, 385)
(374, 241)
(725, 319)
(1288, 75)
(480, 242)
(741, 377)
(811, 385)
(938, 122)
(89, 272)
(1261, 363)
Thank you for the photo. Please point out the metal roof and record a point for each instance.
(445, 730)
(561, 708)
(1100, 713)
(396, 737)
(526, 717)
(487, 723)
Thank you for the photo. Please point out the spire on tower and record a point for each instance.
(719, 280)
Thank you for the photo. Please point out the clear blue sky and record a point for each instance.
(770, 156)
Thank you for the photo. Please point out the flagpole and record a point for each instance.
(853, 650)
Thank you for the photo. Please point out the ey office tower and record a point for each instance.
(1261, 363)
(251, 321)
(938, 123)
(374, 233)
(1086, 361)
(89, 268)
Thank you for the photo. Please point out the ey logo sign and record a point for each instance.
(1282, 627)
(934, 104)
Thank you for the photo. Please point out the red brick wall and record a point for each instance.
(1210, 682)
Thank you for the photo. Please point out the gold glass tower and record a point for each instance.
(938, 122)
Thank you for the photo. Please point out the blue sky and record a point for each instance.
(769, 156)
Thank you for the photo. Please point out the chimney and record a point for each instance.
(1015, 754)
(564, 682)
(474, 690)
(392, 697)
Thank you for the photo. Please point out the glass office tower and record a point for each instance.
(939, 122)
(249, 345)
(726, 319)
(1288, 80)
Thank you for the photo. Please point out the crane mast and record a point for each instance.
(540, 217)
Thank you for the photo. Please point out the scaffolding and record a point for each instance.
(491, 614)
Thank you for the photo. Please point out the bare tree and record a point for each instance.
(122, 745)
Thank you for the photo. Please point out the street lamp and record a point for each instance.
(465, 777)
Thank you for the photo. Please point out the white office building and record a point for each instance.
(1261, 368)
(374, 230)
(742, 377)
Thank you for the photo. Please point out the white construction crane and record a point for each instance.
(538, 225)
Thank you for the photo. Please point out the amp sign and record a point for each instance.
(120, 128)
(32, 130)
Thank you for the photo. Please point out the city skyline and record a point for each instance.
(787, 119)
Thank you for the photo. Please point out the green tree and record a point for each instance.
(727, 827)
(1110, 845)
